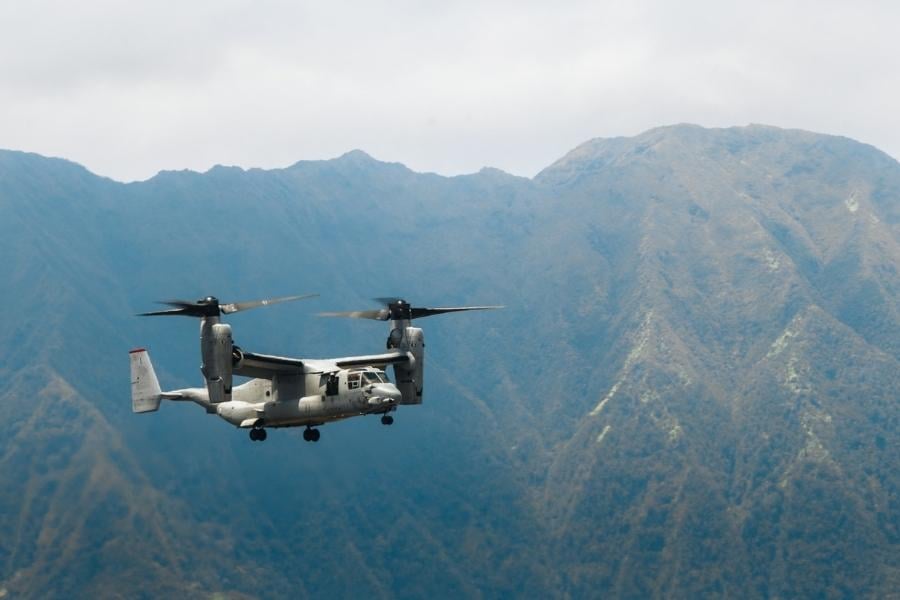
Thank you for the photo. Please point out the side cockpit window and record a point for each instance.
(353, 380)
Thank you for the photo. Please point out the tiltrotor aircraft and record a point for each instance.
(292, 392)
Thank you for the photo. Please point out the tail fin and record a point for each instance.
(145, 391)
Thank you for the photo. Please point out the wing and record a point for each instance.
(266, 366)
(373, 360)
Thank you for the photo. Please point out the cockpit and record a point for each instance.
(375, 376)
(356, 379)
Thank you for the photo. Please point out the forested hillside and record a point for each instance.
(690, 393)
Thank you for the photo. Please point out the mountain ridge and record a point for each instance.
(360, 157)
(649, 415)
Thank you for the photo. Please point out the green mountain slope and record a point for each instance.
(691, 391)
(729, 248)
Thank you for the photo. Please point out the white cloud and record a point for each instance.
(131, 88)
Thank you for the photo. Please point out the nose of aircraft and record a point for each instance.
(387, 391)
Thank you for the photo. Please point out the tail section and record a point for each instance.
(145, 391)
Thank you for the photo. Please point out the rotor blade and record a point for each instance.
(177, 303)
(376, 315)
(233, 307)
(165, 313)
(418, 313)
(185, 308)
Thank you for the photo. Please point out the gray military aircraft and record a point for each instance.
(292, 392)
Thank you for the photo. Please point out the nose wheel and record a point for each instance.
(311, 435)
(258, 435)
(387, 420)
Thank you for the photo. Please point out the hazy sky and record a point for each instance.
(130, 88)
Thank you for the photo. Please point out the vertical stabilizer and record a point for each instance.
(145, 391)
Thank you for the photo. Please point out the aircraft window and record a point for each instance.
(353, 381)
(331, 385)
(372, 377)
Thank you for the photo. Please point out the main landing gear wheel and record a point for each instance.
(311, 435)
(258, 435)
(387, 420)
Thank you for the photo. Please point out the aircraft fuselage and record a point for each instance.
(308, 399)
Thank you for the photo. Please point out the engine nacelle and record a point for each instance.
(410, 376)
(216, 349)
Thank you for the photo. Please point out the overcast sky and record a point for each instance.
(130, 88)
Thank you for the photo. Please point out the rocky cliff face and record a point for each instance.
(720, 454)
(690, 392)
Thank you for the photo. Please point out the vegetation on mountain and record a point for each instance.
(691, 392)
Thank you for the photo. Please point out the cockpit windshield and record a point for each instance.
(375, 376)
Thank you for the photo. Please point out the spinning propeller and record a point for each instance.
(211, 307)
(396, 309)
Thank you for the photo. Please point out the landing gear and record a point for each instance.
(258, 435)
(311, 435)
(387, 420)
